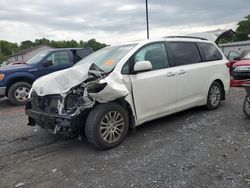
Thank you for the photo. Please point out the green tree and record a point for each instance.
(95, 45)
(7, 49)
(2, 58)
(42, 41)
(243, 30)
(82, 44)
(26, 44)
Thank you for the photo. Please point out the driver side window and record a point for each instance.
(155, 53)
(59, 58)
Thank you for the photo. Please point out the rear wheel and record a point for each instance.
(18, 93)
(246, 106)
(214, 96)
(106, 125)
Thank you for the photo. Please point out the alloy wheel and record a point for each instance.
(112, 126)
(215, 95)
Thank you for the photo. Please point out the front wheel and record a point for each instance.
(18, 93)
(107, 125)
(246, 106)
(214, 96)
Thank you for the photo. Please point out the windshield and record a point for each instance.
(37, 58)
(247, 56)
(107, 58)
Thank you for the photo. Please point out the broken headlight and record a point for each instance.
(95, 87)
(72, 100)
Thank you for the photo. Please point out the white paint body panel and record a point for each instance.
(154, 93)
(150, 94)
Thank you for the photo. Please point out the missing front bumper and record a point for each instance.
(55, 122)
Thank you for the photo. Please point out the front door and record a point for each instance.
(154, 91)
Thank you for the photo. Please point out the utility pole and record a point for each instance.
(147, 19)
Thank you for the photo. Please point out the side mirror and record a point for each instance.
(141, 66)
(48, 63)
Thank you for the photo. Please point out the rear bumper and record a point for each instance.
(238, 83)
(2, 91)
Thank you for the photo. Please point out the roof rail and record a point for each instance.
(189, 37)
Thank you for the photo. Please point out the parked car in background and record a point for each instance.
(16, 79)
(240, 70)
(123, 86)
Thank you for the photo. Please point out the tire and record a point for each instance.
(214, 96)
(18, 93)
(246, 106)
(99, 129)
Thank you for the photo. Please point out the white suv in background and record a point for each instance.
(123, 86)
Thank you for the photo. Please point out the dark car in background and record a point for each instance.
(16, 79)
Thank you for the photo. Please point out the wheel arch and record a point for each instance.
(126, 105)
(222, 86)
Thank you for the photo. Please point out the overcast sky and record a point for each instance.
(112, 21)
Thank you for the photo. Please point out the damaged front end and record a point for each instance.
(66, 113)
(61, 112)
(61, 101)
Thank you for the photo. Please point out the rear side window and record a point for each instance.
(184, 53)
(211, 53)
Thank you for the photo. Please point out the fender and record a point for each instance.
(16, 75)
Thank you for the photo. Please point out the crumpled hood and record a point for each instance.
(61, 82)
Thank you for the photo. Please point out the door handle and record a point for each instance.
(182, 72)
(170, 74)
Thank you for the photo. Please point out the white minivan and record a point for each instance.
(122, 86)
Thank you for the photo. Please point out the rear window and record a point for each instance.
(184, 53)
(211, 53)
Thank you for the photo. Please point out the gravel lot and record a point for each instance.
(195, 148)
